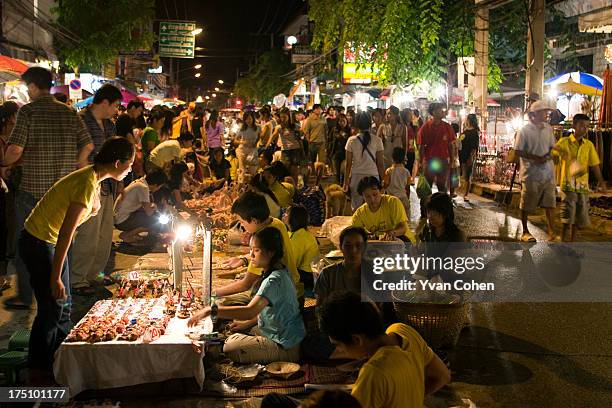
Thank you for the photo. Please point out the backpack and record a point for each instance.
(313, 198)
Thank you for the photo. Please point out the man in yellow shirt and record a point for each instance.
(578, 154)
(254, 215)
(400, 368)
(381, 214)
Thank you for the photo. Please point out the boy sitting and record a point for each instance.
(134, 211)
(401, 369)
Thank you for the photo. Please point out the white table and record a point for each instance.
(85, 366)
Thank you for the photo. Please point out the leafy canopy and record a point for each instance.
(267, 79)
(103, 29)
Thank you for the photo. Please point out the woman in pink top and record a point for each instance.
(214, 131)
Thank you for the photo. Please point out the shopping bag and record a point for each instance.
(423, 188)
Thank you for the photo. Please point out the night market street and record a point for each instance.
(518, 354)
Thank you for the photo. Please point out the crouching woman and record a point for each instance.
(280, 328)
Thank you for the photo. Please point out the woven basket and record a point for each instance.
(438, 324)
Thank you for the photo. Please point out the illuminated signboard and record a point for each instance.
(353, 73)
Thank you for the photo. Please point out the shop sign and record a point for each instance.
(359, 74)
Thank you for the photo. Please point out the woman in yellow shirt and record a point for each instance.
(44, 243)
(381, 214)
(305, 245)
(284, 192)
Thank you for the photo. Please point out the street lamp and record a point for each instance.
(196, 31)
(198, 75)
(217, 89)
(221, 81)
(198, 66)
(207, 97)
(214, 95)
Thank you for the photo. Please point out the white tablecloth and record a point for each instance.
(85, 366)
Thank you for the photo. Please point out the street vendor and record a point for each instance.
(381, 213)
(280, 328)
(168, 152)
(254, 215)
(274, 176)
(44, 243)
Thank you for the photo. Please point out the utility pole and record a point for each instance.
(481, 60)
(534, 80)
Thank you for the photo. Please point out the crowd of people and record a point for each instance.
(71, 178)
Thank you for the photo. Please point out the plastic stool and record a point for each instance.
(19, 340)
(11, 363)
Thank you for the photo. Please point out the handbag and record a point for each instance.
(423, 188)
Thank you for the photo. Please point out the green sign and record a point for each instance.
(176, 39)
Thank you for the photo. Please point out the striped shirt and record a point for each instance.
(51, 135)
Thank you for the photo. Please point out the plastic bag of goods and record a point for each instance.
(332, 228)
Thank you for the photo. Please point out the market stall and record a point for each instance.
(124, 342)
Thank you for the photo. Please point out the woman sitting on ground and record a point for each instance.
(274, 174)
(280, 328)
(305, 245)
(441, 225)
(381, 214)
(259, 185)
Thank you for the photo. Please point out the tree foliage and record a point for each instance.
(267, 79)
(417, 40)
(103, 29)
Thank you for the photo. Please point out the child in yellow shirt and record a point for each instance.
(305, 245)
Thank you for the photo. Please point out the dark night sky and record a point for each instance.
(228, 26)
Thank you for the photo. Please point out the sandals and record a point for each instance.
(16, 304)
(527, 237)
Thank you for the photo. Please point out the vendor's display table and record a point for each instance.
(110, 364)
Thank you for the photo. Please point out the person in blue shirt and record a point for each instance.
(280, 328)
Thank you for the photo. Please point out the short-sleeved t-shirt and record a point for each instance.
(386, 218)
(280, 320)
(314, 129)
(219, 169)
(148, 135)
(582, 155)
(289, 139)
(363, 163)
(537, 141)
(165, 152)
(214, 135)
(469, 144)
(436, 139)
(283, 193)
(288, 257)
(134, 196)
(46, 219)
(395, 376)
(333, 279)
(305, 248)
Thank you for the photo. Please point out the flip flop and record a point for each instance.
(527, 237)
(16, 304)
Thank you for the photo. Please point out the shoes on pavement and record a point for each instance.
(16, 304)
(527, 237)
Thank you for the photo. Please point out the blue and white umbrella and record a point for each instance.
(581, 78)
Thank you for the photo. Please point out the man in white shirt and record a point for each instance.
(534, 145)
(168, 152)
(134, 211)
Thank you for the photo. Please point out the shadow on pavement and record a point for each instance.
(475, 361)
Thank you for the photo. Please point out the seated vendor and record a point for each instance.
(283, 191)
(254, 215)
(134, 211)
(259, 185)
(441, 225)
(305, 245)
(280, 328)
(168, 152)
(381, 214)
(400, 368)
(345, 275)
(219, 166)
(176, 182)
